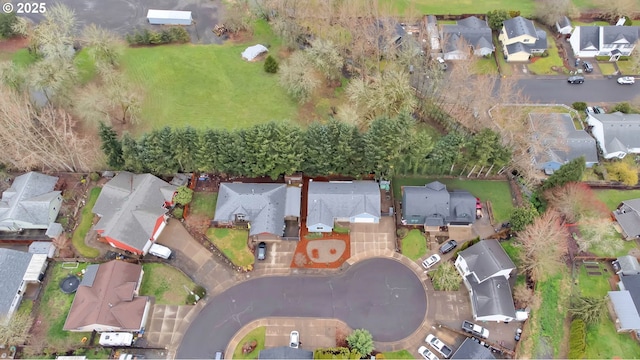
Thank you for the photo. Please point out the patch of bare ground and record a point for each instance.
(13, 44)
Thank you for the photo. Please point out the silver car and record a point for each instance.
(626, 80)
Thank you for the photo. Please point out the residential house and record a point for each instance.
(617, 134)
(611, 41)
(30, 203)
(628, 217)
(433, 206)
(520, 39)
(469, 36)
(486, 268)
(626, 265)
(472, 349)
(18, 270)
(341, 201)
(557, 141)
(563, 26)
(108, 299)
(285, 352)
(132, 210)
(625, 304)
(266, 209)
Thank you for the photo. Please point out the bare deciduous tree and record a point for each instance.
(297, 75)
(544, 246)
(325, 57)
(16, 330)
(598, 233)
(549, 12)
(576, 201)
(446, 277)
(43, 138)
(613, 10)
(103, 45)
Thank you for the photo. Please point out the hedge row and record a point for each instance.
(173, 34)
(577, 339)
(336, 353)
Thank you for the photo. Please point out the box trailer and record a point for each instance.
(169, 17)
(116, 339)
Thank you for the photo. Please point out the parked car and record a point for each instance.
(262, 251)
(587, 67)
(294, 339)
(474, 329)
(442, 63)
(599, 110)
(160, 251)
(426, 354)
(440, 347)
(626, 80)
(589, 110)
(448, 246)
(430, 261)
(576, 79)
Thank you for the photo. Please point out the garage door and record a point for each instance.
(364, 220)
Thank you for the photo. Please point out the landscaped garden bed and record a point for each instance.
(233, 244)
(253, 341)
(84, 226)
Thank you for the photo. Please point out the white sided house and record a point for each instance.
(617, 134)
(341, 201)
(612, 41)
(169, 17)
(486, 268)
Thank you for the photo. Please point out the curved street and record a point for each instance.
(380, 295)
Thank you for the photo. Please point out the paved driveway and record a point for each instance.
(123, 16)
(381, 295)
(381, 236)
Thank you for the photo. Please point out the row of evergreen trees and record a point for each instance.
(387, 147)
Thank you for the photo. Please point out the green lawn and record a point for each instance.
(258, 335)
(203, 203)
(505, 68)
(550, 316)
(86, 66)
(542, 65)
(602, 339)
(402, 354)
(414, 245)
(23, 57)
(607, 68)
(595, 23)
(497, 192)
(167, 284)
(512, 249)
(613, 198)
(232, 243)
(54, 307)
(86, 220)
(484, 66)
(626, 68)
(205, 86)
(526, 7)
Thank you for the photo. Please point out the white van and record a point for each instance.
(116, 339)
(160, 251)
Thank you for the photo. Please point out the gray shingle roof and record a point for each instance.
(564, 22)
(327, 201)
(29, 200)
(492, 297)
(285, 352)
(628, 217)
(518, 47)
(625, 309)
(13, 266)
(264, 205)
(632, 285)
(589, 37)
(541, 43)
(471, 349)
(628, 265)
(621, 131)
(471, 30)
(129, 206)
(565, 142)
(433, 205)
(486, 258)
(620, 34)
(518, 26)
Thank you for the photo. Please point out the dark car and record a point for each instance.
(262, 251)
(448, 246)
(587, 67)
(577, 79)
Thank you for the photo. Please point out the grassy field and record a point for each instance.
(86, 220)
(167, 284)
(555, 300)
(205, 86)
(607, 68)
(86, 66)
(232, 243)
(485, 66)
(542, 65)
(526, 7)
(602, 339)
(258, 335)
(203, 203)
(414, 245)
(401, 354)
(613, 198)
(626, 68)
(54, 307)
(497, 192)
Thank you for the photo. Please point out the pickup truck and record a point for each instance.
(474, 329)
